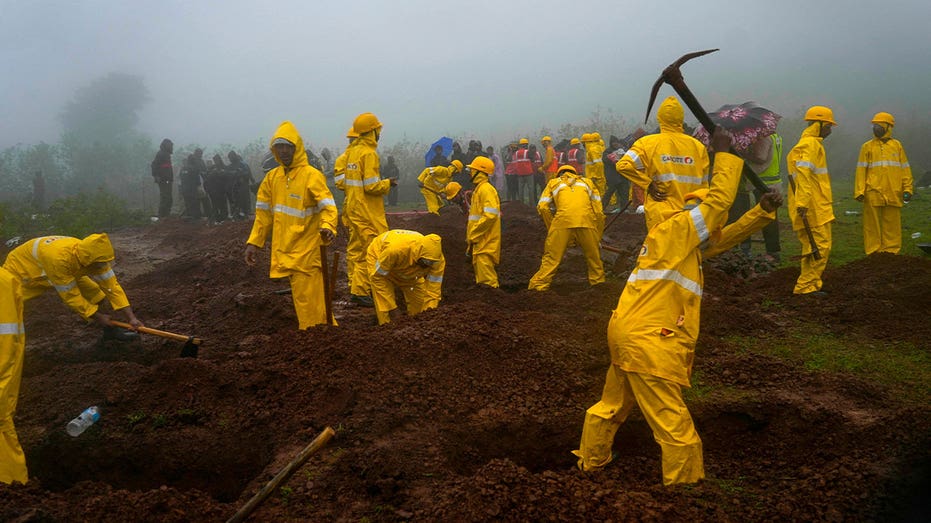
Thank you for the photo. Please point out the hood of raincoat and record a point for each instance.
(431, 248)
(166, 145)
(670, 116)
(886, 135)
(287, 131)
(813, 130)
(95, 248)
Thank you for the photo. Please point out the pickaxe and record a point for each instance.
(673, 76)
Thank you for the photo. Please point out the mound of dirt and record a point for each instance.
(464, 413)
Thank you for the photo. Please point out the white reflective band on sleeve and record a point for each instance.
(669, 275)
(11, 329)
(353, 183)
(545, 199)
(811, 166)
(35, 249)
(434, 279)
(103, 277)
(670, 177)
(263, 206)
(863, 164)
(595, 198)
(379, 270)
(66, 287)
(634, 158)
(475, 217)
(698, 219)
(491, 210)
(339, 177)
(597, 161)
(326, 202)
(883, 163)
(370, 181)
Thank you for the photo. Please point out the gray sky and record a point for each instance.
(229, 72)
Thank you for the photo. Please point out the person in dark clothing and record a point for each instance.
(390, 170)
(199, 170)
(462, 176)
(439, 159)
(240, 181)
(190, 182)
(617, 184)
(164, 176)
(217, 187)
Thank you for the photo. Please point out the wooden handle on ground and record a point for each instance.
(282, 475)
(156, 332)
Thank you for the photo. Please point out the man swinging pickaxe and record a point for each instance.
(673, 76)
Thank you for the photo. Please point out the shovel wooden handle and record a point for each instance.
(156, 332)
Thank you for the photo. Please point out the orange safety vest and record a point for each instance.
(523, 166)
(574, 160)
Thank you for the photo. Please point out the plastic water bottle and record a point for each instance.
(85, 419)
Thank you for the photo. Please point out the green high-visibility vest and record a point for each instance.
(771, 175)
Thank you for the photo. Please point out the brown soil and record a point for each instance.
(465, 413)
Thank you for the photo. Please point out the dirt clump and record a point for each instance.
(464, 413)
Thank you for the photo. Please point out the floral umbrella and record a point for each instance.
(746, 122)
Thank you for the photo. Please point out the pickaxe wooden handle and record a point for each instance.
(673, 76)
(156, 332)
(815, 252)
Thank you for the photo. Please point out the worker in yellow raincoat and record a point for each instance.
(411, 262)
(80, 271)
(810, 197)
(653, 330)
(294, 204)
(884, 184)
(571, 209)
(667, 165)
(365, 205)
(594, 168)
(483, 232)
(432, 182)
(353, 247)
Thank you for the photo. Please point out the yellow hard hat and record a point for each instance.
(523, 141)
(567, 168)
(586, 137)
(366, 122)
(482, 164)
(596, 136)
(457, 165)
(884, 118)
(820, 113)
(452, 189)
(351, 133)
(546, 139)
(574, 141)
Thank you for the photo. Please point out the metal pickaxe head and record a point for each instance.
(672, 75)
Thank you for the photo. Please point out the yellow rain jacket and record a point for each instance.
(434, 180)
(570, 201)
(808, 167)
(64, 263)
(594, 166)
(883, 173)
(674, 160)
(12, 347)
(392, 263)
(483, 233)
(365, 206)
(657, 316)
(294, 203)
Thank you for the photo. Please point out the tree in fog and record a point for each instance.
(102, 147)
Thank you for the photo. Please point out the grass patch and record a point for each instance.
(898, 364)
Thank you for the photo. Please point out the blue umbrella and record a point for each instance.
(445, 143)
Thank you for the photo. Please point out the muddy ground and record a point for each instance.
(465, 413)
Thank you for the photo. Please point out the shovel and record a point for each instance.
(327, 290)
(191, 346)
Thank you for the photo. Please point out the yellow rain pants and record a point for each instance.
(12, 345)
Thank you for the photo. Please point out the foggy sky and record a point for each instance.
(230, 72)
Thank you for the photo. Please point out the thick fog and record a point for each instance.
(229, 72)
